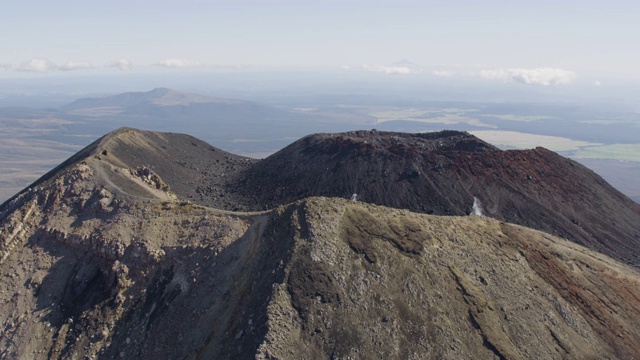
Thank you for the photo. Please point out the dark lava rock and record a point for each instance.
(439, 173)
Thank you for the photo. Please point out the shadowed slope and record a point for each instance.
(441, 173)
(191, 168)
(99, 273)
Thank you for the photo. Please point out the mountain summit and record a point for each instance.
(129, 250)
(448, 173)
(441, 173)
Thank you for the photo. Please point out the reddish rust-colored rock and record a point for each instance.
(441, 173)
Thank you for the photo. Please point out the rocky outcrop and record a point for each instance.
(321, 278)
(446, 173)
(442, 173)
(106, 258)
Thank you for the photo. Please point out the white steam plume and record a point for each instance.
(477, 207)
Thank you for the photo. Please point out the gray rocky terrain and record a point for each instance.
(106, 257)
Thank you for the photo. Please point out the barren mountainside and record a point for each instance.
(441, 173)
(131, 250)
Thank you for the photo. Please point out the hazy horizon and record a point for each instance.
(565, 70)
(542, 43)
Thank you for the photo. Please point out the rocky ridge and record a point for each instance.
(106, 257)
(443, 173)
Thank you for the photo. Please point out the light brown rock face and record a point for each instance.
(102, 260)
(370, 282)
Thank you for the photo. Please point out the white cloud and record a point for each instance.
(36, 65)
(75, 65)
(536, 76)
(227, 66)
(6, 66)
(597, 83)
(121, 64)
(500, 74)
(444, 73)
(179, 63)
(394, 70)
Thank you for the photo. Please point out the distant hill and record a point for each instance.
(165, 102)
(158, 96)
(413, 67)
(166, 108)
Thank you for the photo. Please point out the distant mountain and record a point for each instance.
(415, 68)
(158, 96)
(162, 103)
(114, 254)
(139, 103)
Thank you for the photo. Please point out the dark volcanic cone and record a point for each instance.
(189, 167)
(441, 173)
(394, 169)
(193, 169)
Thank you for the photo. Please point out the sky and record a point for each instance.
(531, 42)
